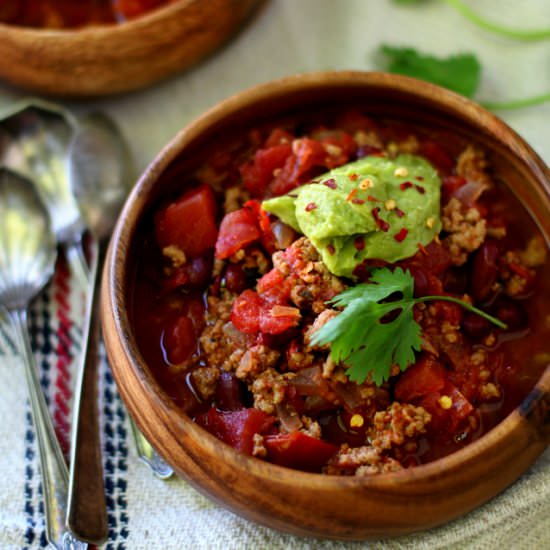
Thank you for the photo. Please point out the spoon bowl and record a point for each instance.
(27, 260)
(34, 137)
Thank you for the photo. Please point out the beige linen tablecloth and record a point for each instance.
(285, 37)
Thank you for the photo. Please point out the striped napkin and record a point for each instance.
(147, 513)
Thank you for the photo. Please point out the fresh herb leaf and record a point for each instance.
(460, 73)
(360, 339)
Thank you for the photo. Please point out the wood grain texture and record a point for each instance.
(109, 59)
(313, 504)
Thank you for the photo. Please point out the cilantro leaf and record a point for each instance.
(362, 338)
(460, 73)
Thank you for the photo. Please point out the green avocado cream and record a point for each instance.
(373, 208)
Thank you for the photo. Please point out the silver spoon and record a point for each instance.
(34, 136)
(27, 260)
(100, 172)
(101, 175)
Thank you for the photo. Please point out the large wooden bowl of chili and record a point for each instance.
(94, 48)
(450, 432)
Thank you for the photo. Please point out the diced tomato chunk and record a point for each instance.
(275, 318)
(262, 218)
(426, 376)
(258, 174)
(237, 428)
(179, 340)
(298, 450)
(189, 222)
(237, 230)
(270, 280)
(245, 312)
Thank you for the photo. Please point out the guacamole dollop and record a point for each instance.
(372, 208)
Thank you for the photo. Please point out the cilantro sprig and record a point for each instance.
(460, 73)
(360, 339)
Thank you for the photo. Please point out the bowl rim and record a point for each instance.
(99, 30)
(123, 236)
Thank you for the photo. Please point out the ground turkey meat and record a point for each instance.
(314, 283)
(466, 230)
(205, 380)
(400, 421)
(269, 390)
(472, 165)
(256, 360)
(361, 461)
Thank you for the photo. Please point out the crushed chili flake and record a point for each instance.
(382, 224)
(373, 199)
(398, 212)
(311, 206)
(359, 243)
(353, 177)
(419, 178)
(352, 194)
(521, 271)
(366, 184)
(358, 201)
(420, 189)
(330, 183)
(422, 249)
(285, 311)
(405, 185)
(400, 236)
(293, 195)
(331, 249)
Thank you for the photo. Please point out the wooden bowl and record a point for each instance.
(107, 59)
(314, 504)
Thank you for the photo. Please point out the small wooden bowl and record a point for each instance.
(314, 504)
(107, 59)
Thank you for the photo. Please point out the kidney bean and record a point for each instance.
(235, 278)
(512, 313)
(476, 326)
(484, 270)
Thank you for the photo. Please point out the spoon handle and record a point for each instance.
(52, 464)
(87, 510)
(77, 263)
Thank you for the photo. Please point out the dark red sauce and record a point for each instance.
(169, 318)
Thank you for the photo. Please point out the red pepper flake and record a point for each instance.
(521, 271)
(401, 234)
(330, 183)
(373, 199)
(293, 195)
(311, 206)
(398, 212)
(358, 201)
(420, 189)
(405, 185)
(285, 311)
(352, 194)
(331, 249)
(353, 177)
(359, 243)
(422, 249)
(382, 224)
(419, 178)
